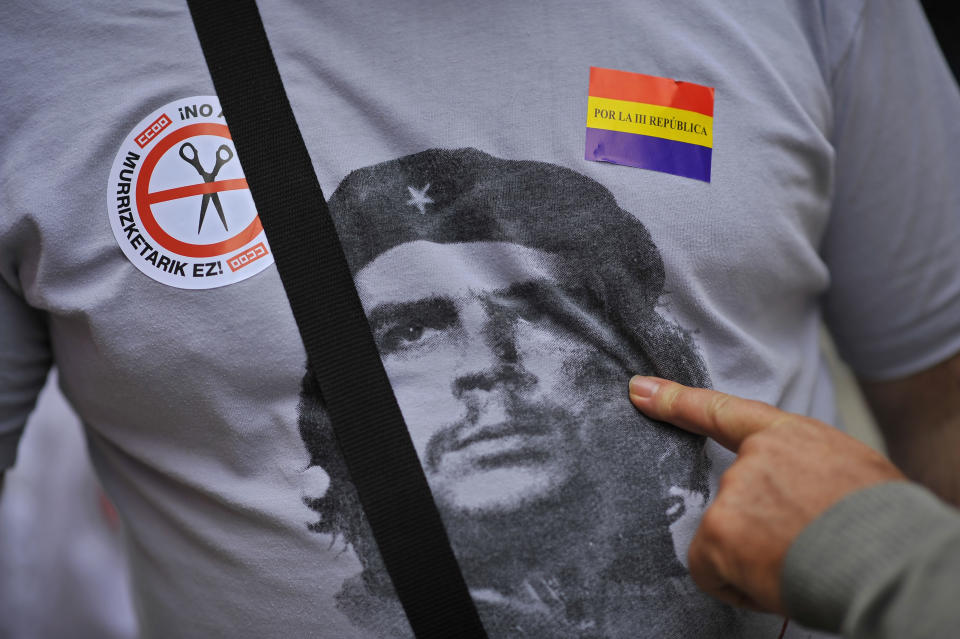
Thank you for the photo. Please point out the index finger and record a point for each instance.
(725, 418)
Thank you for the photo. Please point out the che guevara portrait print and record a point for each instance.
(510, 302)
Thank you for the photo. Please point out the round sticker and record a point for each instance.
(178, 201)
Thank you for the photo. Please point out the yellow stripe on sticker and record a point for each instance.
(648, 119)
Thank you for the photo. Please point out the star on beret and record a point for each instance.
(419, 198)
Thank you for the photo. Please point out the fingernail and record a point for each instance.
(643, 387)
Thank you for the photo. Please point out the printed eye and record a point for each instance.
(412, 326)
(404, 336)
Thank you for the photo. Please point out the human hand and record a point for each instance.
(789, 470)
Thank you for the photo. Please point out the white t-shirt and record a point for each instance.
(512, 286)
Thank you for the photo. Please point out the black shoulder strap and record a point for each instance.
(340, 349)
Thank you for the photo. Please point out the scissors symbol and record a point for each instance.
(189, 153)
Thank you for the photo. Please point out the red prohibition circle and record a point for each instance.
(149, 222)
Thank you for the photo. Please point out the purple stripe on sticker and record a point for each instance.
(645, 152)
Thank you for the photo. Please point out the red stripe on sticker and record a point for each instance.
(649, 89)
(196, 189)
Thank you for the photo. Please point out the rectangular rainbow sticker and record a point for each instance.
(650, 122)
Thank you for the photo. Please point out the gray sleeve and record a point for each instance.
(24, 363)
(883, 563)
(891, 243)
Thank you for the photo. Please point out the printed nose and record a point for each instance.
(494, 362)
